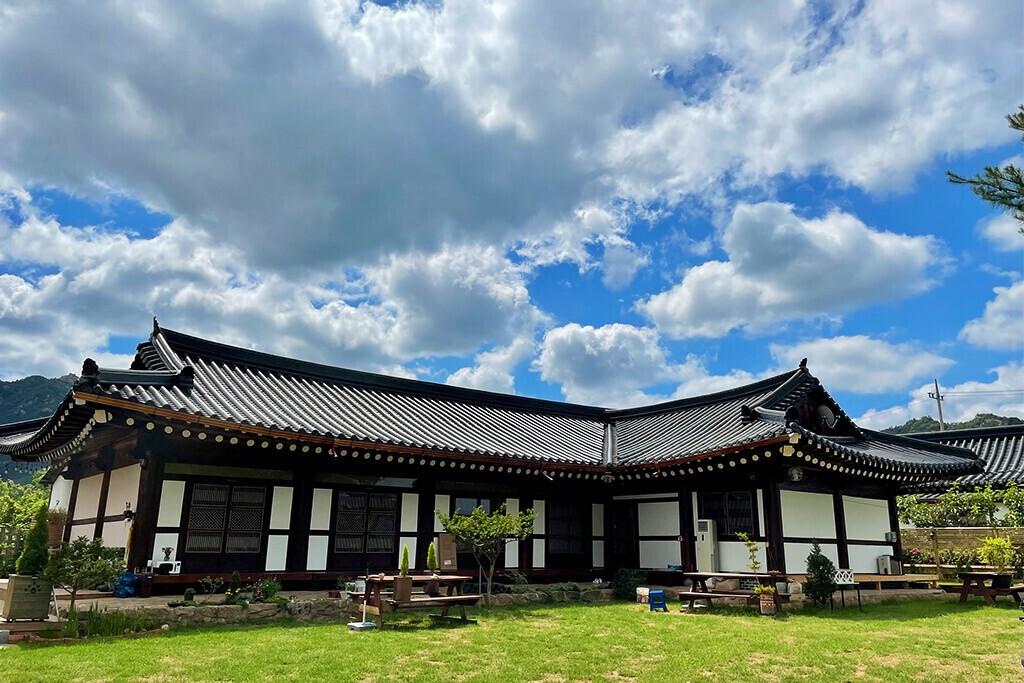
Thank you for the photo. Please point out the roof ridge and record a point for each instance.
(995, 430)
(908, 440)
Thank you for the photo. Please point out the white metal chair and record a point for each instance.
(844, 579)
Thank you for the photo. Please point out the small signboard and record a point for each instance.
(446, 553)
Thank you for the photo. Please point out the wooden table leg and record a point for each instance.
(965, 590)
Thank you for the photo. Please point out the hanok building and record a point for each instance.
(221, 458)
(1000, 450)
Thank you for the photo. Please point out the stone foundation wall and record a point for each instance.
(322, 609)
(957, 538)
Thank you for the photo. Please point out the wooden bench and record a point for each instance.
(749, 596)
(988, 593)
(445, 602)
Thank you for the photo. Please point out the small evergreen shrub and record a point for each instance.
(403, 568)
(190, 595)
(432, 558)
(265, 590)
(36, 553)
(821, 580)
(236, 582)
(626, 581)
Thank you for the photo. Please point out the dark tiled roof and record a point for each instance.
(197, 377)
(1001, 449)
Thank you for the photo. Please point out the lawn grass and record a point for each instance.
(925, 640)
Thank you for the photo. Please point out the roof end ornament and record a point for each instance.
(803, 362)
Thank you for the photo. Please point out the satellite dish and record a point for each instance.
(825, 416)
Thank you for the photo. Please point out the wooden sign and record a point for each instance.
(446, 556)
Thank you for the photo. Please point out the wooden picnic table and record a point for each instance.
(974, 584)
(700, 590)
(376, 600)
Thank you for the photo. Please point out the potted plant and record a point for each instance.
(765, 593)
(339, 586)
(55, 521)
(403, 582)
(28, 593)
(997, 551)
(433, 586)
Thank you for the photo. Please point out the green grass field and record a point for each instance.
(933, 640)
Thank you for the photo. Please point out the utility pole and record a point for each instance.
(939, 398)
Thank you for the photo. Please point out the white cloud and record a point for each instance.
(1001, 326)
(616, 366)
(1002, 396)
(453, 301)
(783, 267)
(494, 369)
(1003, 230)
(861, 364)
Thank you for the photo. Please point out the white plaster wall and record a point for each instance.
(161, 541)
(659, 519)
(864, 558)
(60, 493)
(442, 504)
(808, 515)
(172, 495)
(597, 519)
(83, 531)
(659, 554)
(410, 543)
(115, 534)
(320, 515)
(277, 552)
(538, 553)
(410, 511)
(540, 521)
(732, 556)
(597, 554)
(867, 519)
(316, 554)
(796, 556)
(512, 549)
(124, 488)
(281, 508)
(88, 501)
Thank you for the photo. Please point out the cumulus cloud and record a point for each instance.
(617, 365)
(862, 364)
(1003, 231)
(493, 370)
(449, 302)
(1002, 396)
(1001, 326)
(784, 267)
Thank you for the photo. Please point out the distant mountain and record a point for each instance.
(929, 424)
(27, 399)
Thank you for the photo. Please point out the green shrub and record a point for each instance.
(821, 579)
(211, 584)
(403, 567)
(432, 564)
(35, 554)
(996, 551)
(626, 581)
(264, 590)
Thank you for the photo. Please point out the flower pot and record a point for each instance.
(55, 522)
(767, 603)
(403, 588)
(1002, 581)
(334, 594)
(432, 588)
(27, 598)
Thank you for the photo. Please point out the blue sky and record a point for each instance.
(605, 211)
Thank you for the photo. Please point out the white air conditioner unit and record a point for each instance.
(889, 565)
(707, 545)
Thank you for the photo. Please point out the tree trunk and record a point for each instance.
(935, 556)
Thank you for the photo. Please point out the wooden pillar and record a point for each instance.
(688, 549)
(776, 550)
(101, 508)
(298, 523)
(425, 517)
(72, 502)
(842, 547)
(144, 523)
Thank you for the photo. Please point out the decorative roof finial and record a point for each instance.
(803, 363)
(156, 325)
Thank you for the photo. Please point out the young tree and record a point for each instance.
(432, 558)
(82, 564)
(821, 576)
(485, 535)
(35, 553)
(19, 504)
(1003, 187)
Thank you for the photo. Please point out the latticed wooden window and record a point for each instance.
(365, 522)
(225, 518)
